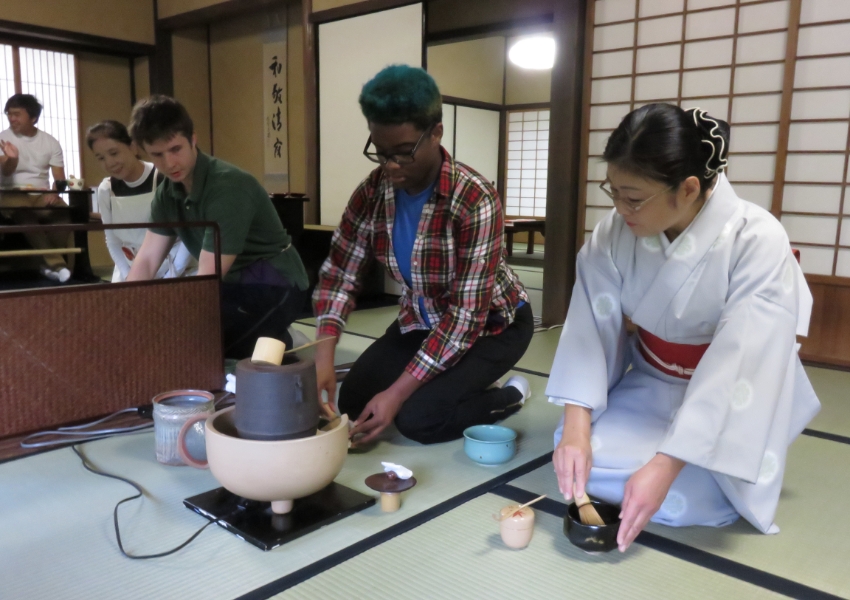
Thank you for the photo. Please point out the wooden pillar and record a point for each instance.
(161, 67)
(311, 111)
(562, 204)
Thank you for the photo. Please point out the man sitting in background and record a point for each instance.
(263, 277)
(26, 155)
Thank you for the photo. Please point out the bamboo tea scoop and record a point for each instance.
(308, 345)
(586, 511)
(502, 518)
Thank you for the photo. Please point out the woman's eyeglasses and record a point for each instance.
(404, 158)
(632, 206)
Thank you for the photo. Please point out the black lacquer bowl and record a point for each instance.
(593, 538)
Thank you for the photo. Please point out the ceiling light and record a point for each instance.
(533, 52)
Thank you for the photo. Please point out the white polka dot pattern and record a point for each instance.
(788, 277)
(687, 246)
(651, 243)
(769, 468)
(604, 306)
(675, 504)
(742, 395)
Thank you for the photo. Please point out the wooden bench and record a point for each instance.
(530, 226)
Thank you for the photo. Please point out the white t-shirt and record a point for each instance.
(36, 155)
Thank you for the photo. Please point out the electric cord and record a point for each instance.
(139, 493)
(82, 433)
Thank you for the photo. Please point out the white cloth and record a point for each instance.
(730, 280)
(36, 155)
(123, 243)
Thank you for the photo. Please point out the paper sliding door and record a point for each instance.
(352, 51)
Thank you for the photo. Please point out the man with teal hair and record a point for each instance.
(437, 227)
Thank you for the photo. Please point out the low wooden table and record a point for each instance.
(530, 226)
(79, 208)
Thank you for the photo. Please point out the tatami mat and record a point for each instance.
(833, 389)
(57, 540)
(347, 350)
(460, 555)
(56, 532)
(531, 277)
(372, 322)
(535, 298)
(541, 351)
(811, 547)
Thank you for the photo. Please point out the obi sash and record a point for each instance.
(678, 360)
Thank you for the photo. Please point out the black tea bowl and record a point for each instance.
(593, 538)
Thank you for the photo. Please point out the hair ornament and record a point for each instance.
(710, 133)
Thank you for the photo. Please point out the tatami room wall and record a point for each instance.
(526, 86)
(130, 20)
(218, 76)
(479, 70)
(192, 79)
(172, 8)
(472, 69)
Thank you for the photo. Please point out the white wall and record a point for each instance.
(477, 140)
(352, 51)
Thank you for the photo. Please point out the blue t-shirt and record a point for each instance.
(408, 211)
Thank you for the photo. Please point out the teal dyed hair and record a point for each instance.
(402, 94)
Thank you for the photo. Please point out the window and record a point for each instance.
(7, 73)
(527, 163)
(50, 77)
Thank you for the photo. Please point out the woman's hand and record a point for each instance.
(645, 492)
(326, 376)
(573, 456)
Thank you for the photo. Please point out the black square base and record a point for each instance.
(254, 521)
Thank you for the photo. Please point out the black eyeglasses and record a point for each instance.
(399, 159)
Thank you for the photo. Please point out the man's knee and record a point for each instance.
(413, 427)
(350, 401)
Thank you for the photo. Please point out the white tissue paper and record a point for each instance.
(402, 472)
(230, 386)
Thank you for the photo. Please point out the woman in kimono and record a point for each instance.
(687, 420)
(125, 197)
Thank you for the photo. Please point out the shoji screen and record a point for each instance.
(7, 72)
(528, 163)
(724, 56)
(815, 210)
(477, 140)
(352, 51)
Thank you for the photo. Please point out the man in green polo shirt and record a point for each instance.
(263, 277)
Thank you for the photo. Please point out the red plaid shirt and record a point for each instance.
(457, 265)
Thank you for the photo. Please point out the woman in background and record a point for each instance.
(125, 197)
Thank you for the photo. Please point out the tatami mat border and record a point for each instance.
(765, 580)
(529, 371)
(355, 334)
(832, 437)
(320, 566)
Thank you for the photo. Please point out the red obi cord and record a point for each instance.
(678, 360)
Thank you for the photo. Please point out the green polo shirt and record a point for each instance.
(250, 227)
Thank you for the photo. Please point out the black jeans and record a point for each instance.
(263, 303)
(455, 399)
